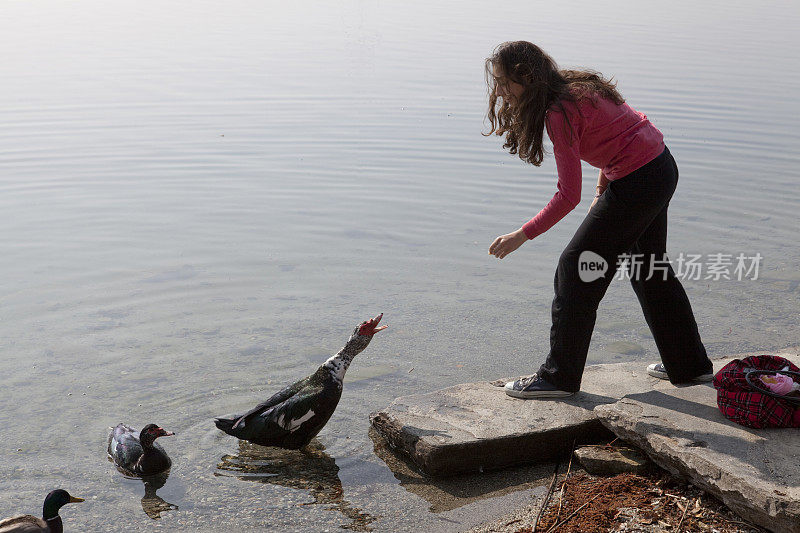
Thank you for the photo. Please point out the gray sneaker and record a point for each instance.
(658, 370)
(534, 387)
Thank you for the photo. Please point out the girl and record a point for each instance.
(587, 119)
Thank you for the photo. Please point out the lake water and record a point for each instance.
(199, 201)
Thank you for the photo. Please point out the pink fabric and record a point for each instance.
(615, 138)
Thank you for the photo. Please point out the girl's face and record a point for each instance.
(504, 88)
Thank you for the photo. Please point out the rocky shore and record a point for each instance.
(475, 427)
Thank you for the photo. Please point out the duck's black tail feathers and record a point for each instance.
(226, 424)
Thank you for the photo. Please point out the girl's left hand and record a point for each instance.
(505, 244)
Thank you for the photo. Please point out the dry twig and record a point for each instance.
(566, 477)
(546, 497)
(572, 514)
(683, 515)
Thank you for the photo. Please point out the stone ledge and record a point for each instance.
(474, 427)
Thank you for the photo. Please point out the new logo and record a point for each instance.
(591, 266)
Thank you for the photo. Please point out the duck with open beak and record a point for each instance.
(296, 414)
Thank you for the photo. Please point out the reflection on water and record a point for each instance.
(153, 504)
(310, 469)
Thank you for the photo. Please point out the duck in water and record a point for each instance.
(135, 452)
(50, 521)
(296, 414)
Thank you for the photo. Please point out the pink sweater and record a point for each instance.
(615, 138)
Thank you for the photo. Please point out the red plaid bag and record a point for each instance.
(741, 402)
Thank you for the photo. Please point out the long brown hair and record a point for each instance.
(545, 86)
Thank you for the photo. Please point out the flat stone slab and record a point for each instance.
(474, 427)
(754, 472)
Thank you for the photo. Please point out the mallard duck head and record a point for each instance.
(55, 501)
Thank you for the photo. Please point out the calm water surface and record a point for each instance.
(199, 202)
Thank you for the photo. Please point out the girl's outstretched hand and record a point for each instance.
(505, 244)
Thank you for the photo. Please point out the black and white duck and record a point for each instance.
(137, 453)
(296, 414)
(50, 521)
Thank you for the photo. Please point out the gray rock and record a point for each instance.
(609, 461)
(756, 473)
(474, 427)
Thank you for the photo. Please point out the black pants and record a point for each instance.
(630, 217)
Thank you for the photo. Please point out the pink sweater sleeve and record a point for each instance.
(568, 163)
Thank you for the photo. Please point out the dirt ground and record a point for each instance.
(655, 502)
